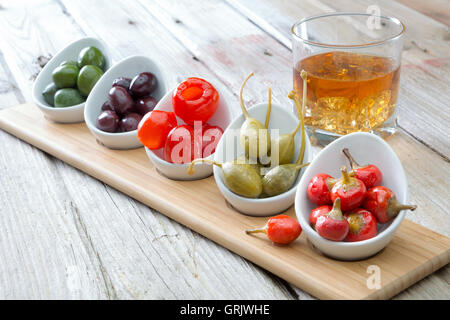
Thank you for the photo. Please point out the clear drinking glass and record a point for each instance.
(353, 66)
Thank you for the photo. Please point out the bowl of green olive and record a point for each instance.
(250, 186)
(63, 85)
(260, 158)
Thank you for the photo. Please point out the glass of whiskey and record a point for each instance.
(352, 62)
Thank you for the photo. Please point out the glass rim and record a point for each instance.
(363, 45)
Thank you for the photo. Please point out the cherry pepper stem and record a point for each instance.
(345, 176)
(301, 113)
(336, 212)
(258, 230)
(244, 110)
(191, 170)
(353, 162)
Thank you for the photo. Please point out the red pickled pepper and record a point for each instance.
(195, 99)
(383, 204)
(280, 229)
(319, 189)
(350, 190)
(369, 174)
(317, 212)
(154, 128)
(333, 226)
(181, 146)
(362, 225)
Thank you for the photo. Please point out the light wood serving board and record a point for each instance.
(414, 252)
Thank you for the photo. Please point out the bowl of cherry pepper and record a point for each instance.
(186, 124)
(352, 198)
(121, 98)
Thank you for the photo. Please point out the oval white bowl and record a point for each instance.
(71, 114)
(128, 67)
(176, 171)
(366, 148)
(280, 119)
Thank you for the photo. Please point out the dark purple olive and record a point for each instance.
(122, 82)
(129, 122)
(108, 121)
(144, 105)
(120, 100)
(106, 106)
(143, 84)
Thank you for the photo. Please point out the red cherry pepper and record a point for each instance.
(369, 174)
(316, 213)
(181, 146)
(154, 127)
(211, 136)
(381, 201)
(362, 223)
(195, 99)
(319, 189)
(350, 190)
(333, 226)
(280, 229)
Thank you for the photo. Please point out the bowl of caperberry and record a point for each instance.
(187, 124)
(352, 197)
(121, 98)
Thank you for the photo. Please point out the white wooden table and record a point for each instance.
(65, 235)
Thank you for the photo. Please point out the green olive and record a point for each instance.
(87, 78)
(241, 179)
(280, 179)
(91, 56)
(65, 76)
(67, 97)
(49, 93)
(254, 164)
(254, 136)
(286, 148)
(69, 62)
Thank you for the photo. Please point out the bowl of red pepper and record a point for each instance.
(186, 124)
(351, 211)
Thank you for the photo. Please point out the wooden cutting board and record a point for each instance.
(414, 252)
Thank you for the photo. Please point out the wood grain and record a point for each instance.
(91, 268)
(423, 98)
(146, 256)
(413, 253)
(439, 10)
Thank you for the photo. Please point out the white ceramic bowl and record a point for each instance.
(69, 114)
(366, 148)
(286, 122)
(174, 171)
(128, 67)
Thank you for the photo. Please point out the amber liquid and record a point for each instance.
(348, 92)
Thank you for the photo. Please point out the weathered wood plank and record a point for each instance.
(276, 18)
(181, 20)
(126, 287)
(10, 94)
(41, 251)
(439, 10)
(130, 251)
(423, 98)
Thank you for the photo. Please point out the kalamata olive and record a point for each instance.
(143, 84)
(106, 106)
(144, 105)
(108, 121)
(120, 100)
(129, 122)
(122, 82)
